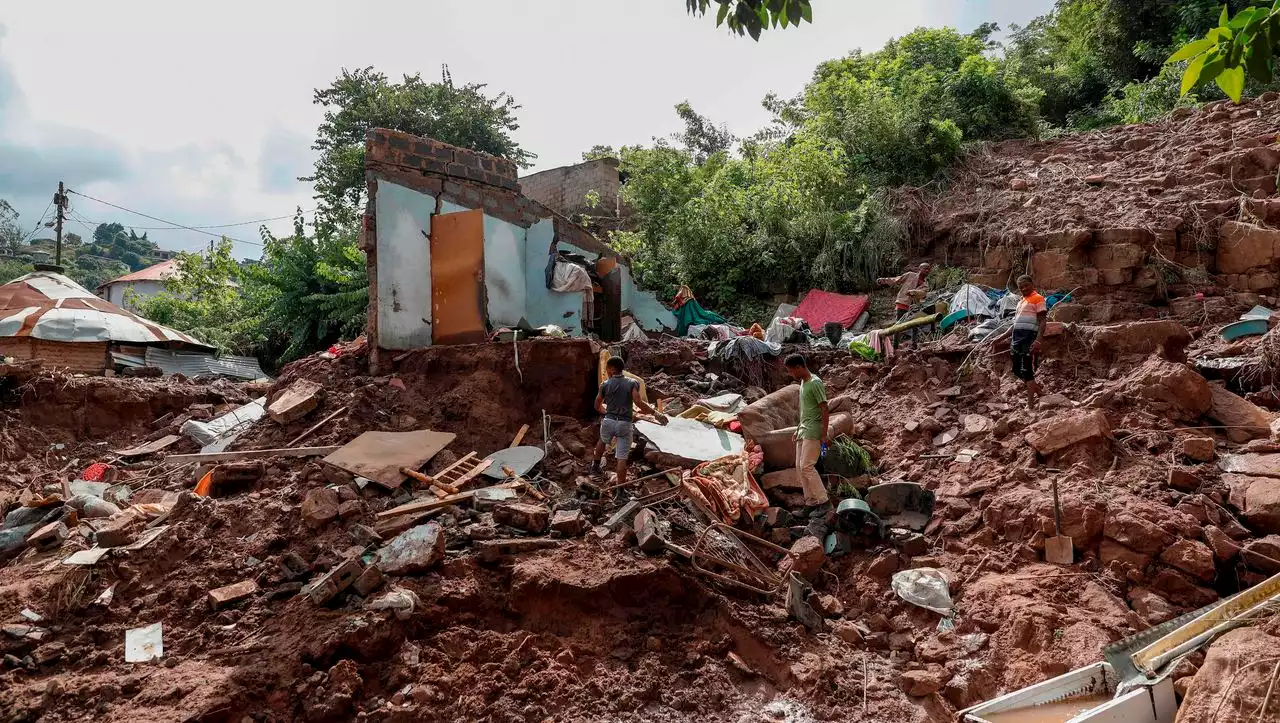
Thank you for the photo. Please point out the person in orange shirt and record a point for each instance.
(1028, 328)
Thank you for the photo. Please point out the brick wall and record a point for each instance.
(565, 190)
(471, 179)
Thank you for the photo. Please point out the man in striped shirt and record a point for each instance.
(1028, 328)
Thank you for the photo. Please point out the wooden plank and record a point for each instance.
(314, 427)
(150, 447)
(481, 466)
(524, 429)
(249, 454)
(425, 505)
(379, 456)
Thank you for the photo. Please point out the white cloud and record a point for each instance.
(204, 114)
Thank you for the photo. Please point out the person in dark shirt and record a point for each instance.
(615, 399)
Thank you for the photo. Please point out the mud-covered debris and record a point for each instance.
(48, 537)
(650, 535)
(369, 581)
(1224, 548)
(119, 531)
(1059, 432)
(1183, 479)
(1243, 420)
(296, 402)
(1191, 557)
(924, 682)
(231, 594)
(523, 516)
(334, 582)
(320, 507)
(809, 557)
(569, 523)
(1257, 499)
(494, 550)
(1200, 449)
(415, 550)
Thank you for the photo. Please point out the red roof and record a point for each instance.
(155, 272)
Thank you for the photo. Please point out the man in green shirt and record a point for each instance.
(811, 434)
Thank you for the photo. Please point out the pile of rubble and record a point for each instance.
(431, 543)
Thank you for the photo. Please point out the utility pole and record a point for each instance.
(59, 200)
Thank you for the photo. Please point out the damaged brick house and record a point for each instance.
(455, 251)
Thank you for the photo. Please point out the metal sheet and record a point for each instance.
(150, 447)
(380, 455)
(519, 459)
(192, 365)
(457, 271)
(691, 439)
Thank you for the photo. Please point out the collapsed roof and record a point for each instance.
(50, 306)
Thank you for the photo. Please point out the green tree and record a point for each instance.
(598, 151)
(315, 290)
(751, 17)
(701, 136)
(358, 101)
(209, 299)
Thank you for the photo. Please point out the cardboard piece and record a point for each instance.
(379, 456)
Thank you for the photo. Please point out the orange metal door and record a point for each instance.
(457, 278)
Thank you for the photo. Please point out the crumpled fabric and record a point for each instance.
(726, 487)
(882, 345)
(568, 278)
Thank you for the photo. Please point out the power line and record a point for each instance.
(161, 220)
(32, 233)
(222, 225)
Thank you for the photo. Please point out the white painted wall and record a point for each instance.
(115, 293)
(504, 278)
(403, 266)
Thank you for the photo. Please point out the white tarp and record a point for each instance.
(974, 300)
(223, 429)
(691, 439)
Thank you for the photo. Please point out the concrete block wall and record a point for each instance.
(564, 190)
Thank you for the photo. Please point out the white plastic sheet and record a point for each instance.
(206, 433)
(972, 299)
(144, 644)
(925, 587)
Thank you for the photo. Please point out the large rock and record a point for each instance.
(1191, 557)
(919, 683)
(1262, 554)
(1244, 246)
(1224, 548)
(1199, 449)
(1136, 533)
(809, 557)
(1258, 499)
(1111, 551)
(1059, 432)
(1232, 663)
(1179, 590)
(320, 507)
(1153, 608)
(1172, 388)
(415, 550)
(1109, 343)
(1243, 419)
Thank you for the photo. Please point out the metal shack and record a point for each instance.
(455, 251)
(47, 316)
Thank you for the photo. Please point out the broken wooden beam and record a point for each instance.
(524, 429)
(311, 430)
(250, 454)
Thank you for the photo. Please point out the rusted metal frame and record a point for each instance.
(732, 532)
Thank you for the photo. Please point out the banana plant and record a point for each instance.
(1244, 45)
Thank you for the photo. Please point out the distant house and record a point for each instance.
(144, 282)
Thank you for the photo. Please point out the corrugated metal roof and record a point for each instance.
(155, 272)
(49, 306)
(192, 365)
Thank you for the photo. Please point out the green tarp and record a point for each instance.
(691, 313)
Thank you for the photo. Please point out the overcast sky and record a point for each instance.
(203, 114)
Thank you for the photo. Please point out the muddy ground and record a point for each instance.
(591, 628)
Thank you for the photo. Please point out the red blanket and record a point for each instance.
(819, 307)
